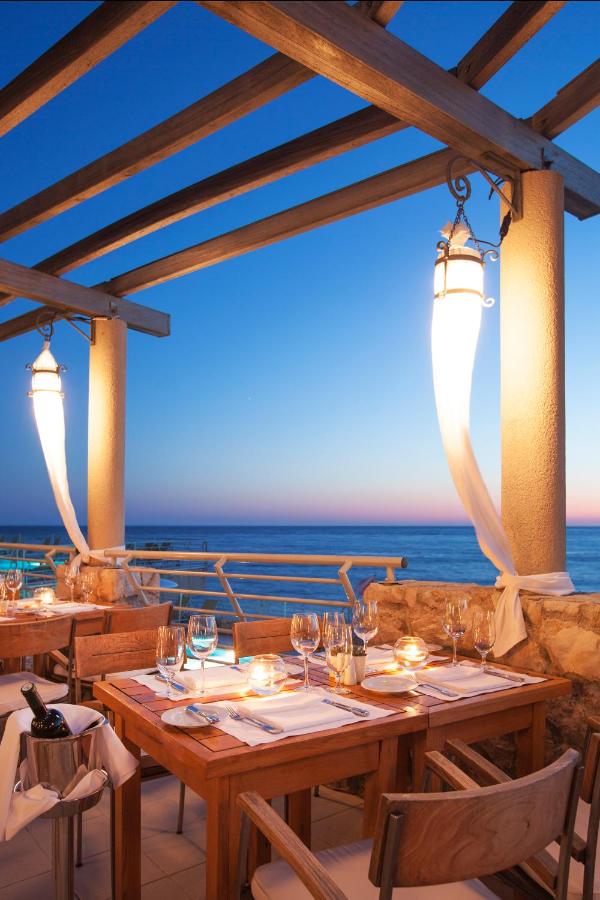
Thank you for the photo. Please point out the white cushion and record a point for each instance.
(349, 868)
(11, 697)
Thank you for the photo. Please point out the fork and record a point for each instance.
(258, 723)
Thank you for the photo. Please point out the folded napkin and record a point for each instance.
(467, 680)
(18, 809)
(296, 712)
(65, 607)
(215, 677)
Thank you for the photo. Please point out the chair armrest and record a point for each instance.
(482, 767)
(448, 772)
(309, 870)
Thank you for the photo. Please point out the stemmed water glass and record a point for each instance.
(484, 633)
(454, 622)
(338, 648)
(87, 585)
(170, 653)
(202, 637)
(365, 620)
(332, 618)
(13, 581)
(3, 600)
(70, 579)
(305, 636)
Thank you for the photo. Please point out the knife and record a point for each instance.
(211, 718)
(355, 710)
(175, 684)
(508, 676)
(439, 688)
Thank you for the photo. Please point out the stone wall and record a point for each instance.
(563, 639)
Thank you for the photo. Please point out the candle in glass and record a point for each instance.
(410, 653)
(267, 674)
(44, 596)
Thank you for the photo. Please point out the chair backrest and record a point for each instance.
(35, 638)
(427, 839)
(118, 621)
(261, 636)
(590, 793)
(101, 654)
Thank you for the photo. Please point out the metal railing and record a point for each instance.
(229, 585)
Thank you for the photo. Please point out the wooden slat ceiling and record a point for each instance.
(331, 39)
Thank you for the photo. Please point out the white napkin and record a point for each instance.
(65, 607)
(17, 810)
(467, 680)
(297, 713)
(215, 677)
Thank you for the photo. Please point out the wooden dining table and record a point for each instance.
(389, 752)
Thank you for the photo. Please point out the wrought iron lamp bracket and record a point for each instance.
(460, 186)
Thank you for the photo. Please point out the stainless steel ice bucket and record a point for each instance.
(57, 763)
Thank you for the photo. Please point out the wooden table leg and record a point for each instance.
(381, 781)
(217, 839)
(418, 748)
(531, 742)
(299, 814)
(126, 814)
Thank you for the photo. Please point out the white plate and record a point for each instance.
(388, 684)
(179, 717)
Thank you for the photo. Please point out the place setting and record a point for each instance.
(262, 700)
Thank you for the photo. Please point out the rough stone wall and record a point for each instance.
(563, 639)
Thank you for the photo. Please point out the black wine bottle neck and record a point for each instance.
(35, 702)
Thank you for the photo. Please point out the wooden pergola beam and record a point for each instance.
(106, 29)
(67, 296)
(256, 87)
(269, 79)
(393, 184)
(517, 25)
(574, 101)
(379, 67)
(504, 38)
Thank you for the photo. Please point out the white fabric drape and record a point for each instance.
(455, 331)
(50, 420)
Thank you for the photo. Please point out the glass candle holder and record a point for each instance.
(266, 674)
(411, 653)
(44, 596)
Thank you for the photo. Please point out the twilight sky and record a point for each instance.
(296, 386)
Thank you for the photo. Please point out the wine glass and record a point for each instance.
(338, 647)
(170, 653)
(454, 622)
(365, 620)
(3, 600)
(332, 618)
(70, 579)
(305, 637)
(202, 637)
(14, 580)
(484, 633)
(87, 584)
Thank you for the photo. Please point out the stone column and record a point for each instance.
(106, 434)
(532, 364)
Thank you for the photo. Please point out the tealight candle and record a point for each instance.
(411, 653)
(44, 596)
(267, 674)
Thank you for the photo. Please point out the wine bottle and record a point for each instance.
(46, 723)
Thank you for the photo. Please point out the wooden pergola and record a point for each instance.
(349, 45)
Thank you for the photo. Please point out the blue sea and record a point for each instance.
(434, 553)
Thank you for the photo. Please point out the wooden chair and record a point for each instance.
(102, 655)
(32, 639)
(118, 621)
(261, 636)
(444, 840)
(543, 868)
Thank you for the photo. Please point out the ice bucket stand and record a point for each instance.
(57, 764)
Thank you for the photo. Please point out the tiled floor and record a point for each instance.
(172, 865)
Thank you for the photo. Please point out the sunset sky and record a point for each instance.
(296, 385)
